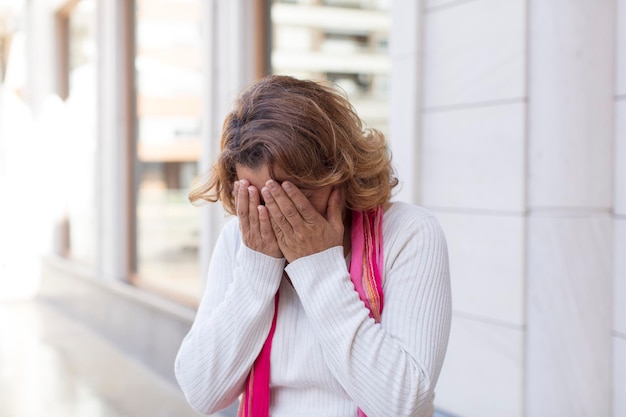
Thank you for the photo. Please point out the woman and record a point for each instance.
(323, 297)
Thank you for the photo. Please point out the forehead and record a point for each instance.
(258, 176)
(262, 173)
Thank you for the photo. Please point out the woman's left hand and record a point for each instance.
(299, 228)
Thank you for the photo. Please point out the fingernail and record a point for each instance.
(287, 185)
(250, 190)
(271, 184)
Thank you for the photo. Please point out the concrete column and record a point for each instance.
(229, 64)
(210, 218)
(405, 102)
(116, 139)
(569, 227)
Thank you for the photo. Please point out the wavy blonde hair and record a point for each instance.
(311, 131)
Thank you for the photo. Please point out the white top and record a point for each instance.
(328, 356)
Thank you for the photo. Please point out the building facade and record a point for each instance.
(506, 118)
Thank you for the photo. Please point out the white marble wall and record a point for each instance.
(619, 184)
(482, 370)
(568, 348)
(619, 318)
(471, 173)
(487, 266)
(571, 73)
(569, 233)
(474, 53)
(460, 166)
(405, 53)
(621, 49)
(516, 157)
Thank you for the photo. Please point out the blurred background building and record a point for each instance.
(506, 118)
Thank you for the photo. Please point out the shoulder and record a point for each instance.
(407, 225)
(399, 208)
(231, 226)
(229, 235)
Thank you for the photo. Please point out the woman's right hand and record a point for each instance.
(254, 222)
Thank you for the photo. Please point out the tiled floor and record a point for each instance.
(51, 366)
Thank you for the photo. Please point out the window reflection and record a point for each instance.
(345, 41)
(169, 82)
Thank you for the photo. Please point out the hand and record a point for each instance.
(254, 223)
(299, 229)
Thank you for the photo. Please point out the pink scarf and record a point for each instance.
(366, 274)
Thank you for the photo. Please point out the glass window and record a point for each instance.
(344, 41)
(81, 142)
(169, 84)
(5, 42)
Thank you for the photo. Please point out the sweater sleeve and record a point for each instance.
(231, 325)
(388, 368)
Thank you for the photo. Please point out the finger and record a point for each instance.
(236, 194)
(253, 214)
(299, 200)
(284, 203)
(279, 234)
(242, 197)
(243, 205)
(265, 224)
(277, 218)
(334, 213)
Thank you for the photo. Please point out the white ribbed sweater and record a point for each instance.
(328, 356)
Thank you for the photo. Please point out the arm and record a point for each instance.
(388, 368)
(231, 325)
(236, 312)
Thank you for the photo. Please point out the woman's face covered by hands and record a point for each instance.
(279, 219)
(258, 179)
